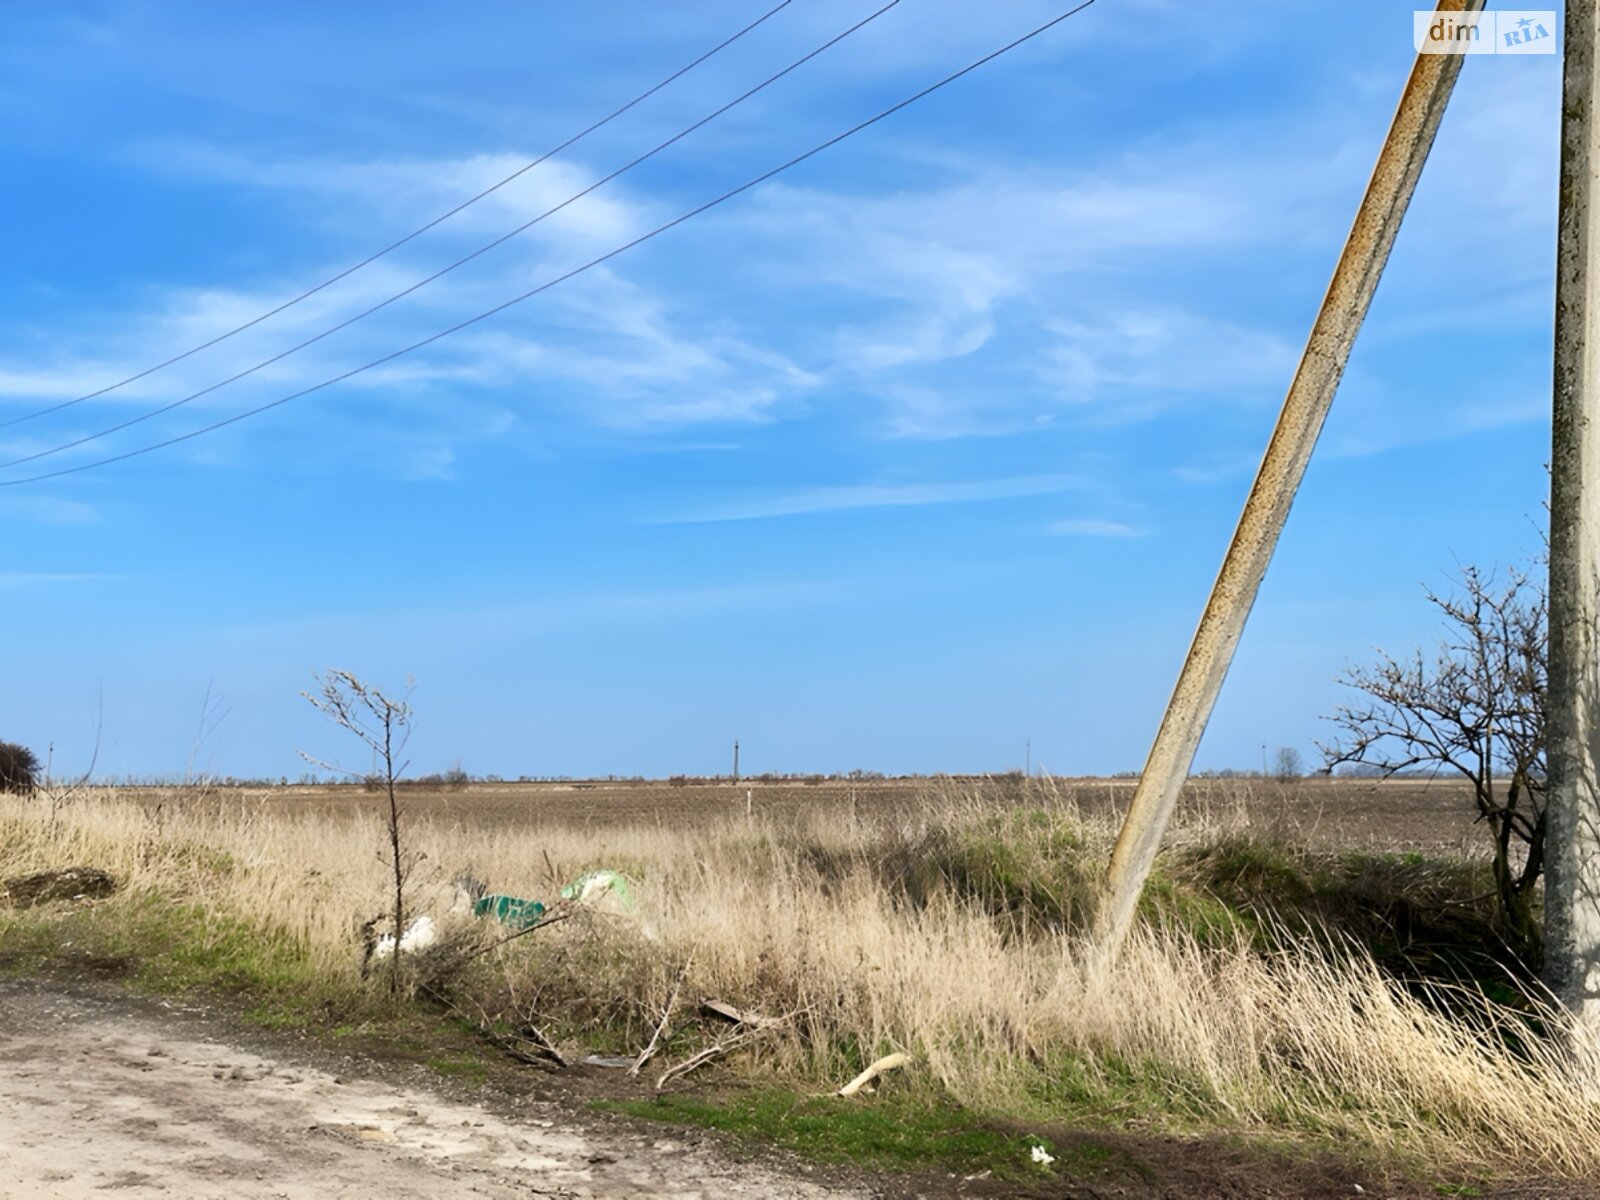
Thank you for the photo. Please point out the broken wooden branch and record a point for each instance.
(532, 1033)
(694, 1062)
(546, 1052)
(740, 1016)
(672, 1003)
(888, 1062)
(745, 1033)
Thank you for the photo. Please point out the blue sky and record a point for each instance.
(928, 448)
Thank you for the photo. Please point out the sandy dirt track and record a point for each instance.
(100, 1098)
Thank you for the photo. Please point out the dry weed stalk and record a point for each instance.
(384, 725)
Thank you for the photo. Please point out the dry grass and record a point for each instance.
(889, 935)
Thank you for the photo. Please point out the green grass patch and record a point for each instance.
(459, 1066)
(168, 947)
(1029, 868)
(1422, 918)
(1102, 1091)
(887, 1134)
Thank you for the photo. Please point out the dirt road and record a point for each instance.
(102, 1095)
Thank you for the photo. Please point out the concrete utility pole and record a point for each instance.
(1572, 870)
(1394, 178)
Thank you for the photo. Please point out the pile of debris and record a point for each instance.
(600, 890)
(44, 887)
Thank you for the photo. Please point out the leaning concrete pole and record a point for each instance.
(1572, 864)
(1305, 408)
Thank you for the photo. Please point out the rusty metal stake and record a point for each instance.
(1411, 135)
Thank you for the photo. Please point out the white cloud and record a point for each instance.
(1094, 527)
(875, 495)
(939, 413)
(1156, 353)
(407, 193)
(996, 299)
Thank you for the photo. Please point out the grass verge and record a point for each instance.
(892, 1134)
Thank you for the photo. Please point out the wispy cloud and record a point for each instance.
(408, 192)
(17, 580)
(1376, 428)
(1160, 353)
(1094, 527)
(875, 495)
(466, 621)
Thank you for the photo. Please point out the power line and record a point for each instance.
(415, 233)
(460, 262)
(562, 278)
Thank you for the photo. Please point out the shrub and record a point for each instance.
(19, 769)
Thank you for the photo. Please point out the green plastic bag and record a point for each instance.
(510, 910)
(591, 885)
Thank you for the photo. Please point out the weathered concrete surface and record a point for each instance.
(1572, 879)
(1349, 295)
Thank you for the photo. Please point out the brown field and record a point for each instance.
(1431, 816)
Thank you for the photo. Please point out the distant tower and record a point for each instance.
(736, 760)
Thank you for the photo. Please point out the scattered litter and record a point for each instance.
(604, 1060)
(510, 910)
(419, 935)
(69, 883)
(739, 1016)
(516, 913)
(1042, 1156)
(887, 1063)
(468, 890)
(590, 887)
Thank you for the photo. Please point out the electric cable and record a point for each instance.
(415, 233)
(562, 278)
(460, 262)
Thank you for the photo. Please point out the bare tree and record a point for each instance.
(1288, 765)
(1476, 708)
(385, 726)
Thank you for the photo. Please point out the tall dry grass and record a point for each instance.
(820, 918)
